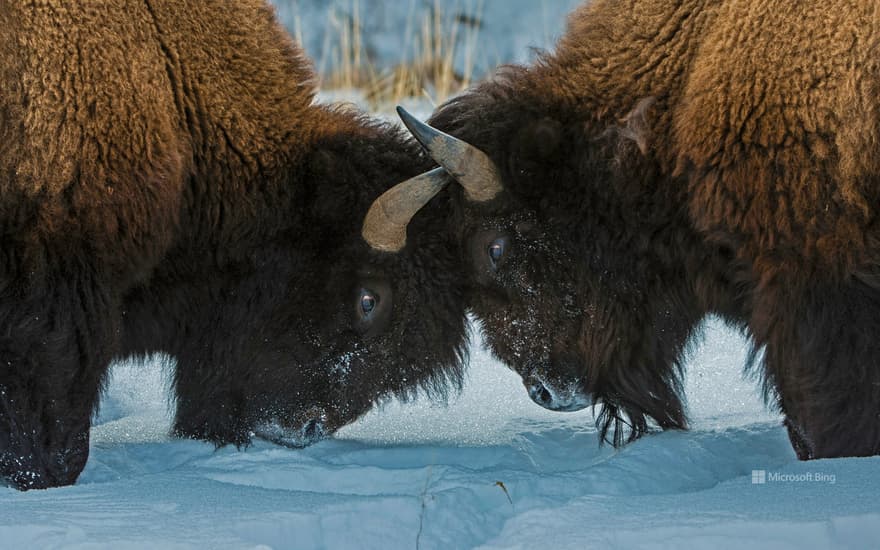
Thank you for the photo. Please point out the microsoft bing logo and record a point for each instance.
(762, 477)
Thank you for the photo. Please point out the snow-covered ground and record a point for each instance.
(489, 470)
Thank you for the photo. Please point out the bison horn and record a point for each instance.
(470, 167)
(384, 226)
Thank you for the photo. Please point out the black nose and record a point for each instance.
(541, 395)
(313, 431)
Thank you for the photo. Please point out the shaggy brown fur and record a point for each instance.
(168, 184)
(679, 158)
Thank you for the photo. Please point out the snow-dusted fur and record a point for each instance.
(167, 183)
(675, 158)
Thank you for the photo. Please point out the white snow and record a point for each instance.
(427, 475)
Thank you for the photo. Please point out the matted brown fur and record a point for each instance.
(167, 183)
(672, 159)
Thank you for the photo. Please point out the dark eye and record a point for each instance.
(368, 302)
(370, 305)
(496, 251)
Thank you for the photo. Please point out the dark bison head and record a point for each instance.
(370, 313)
(579, 278)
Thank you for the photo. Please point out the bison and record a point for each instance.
(669, 160)
(168, 184)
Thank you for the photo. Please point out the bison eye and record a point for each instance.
(371, 306)
(496, 251)
(368, 303)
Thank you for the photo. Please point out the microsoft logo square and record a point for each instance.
(759, 477)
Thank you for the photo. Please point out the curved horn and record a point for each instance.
(385, 224)
(470, 167)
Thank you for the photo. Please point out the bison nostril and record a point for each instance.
(313, 431)
(545, 395)
(567, 396)
(310, 429)
(540, 394)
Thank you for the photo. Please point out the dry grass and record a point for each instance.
(427, 67)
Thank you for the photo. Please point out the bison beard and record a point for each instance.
(168, 184)
(672, 160)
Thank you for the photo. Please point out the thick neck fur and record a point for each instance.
(248, 126)
(615, 55)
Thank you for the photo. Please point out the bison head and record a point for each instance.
(371, 313)
(579, 276)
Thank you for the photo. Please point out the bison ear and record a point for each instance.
(635, 127)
